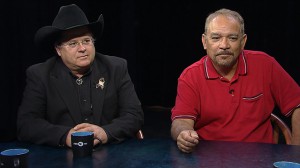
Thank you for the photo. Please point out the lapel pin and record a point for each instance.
(101, 83)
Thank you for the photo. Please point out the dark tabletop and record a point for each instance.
(163, 153)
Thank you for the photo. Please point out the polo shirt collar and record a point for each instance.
(211, 73)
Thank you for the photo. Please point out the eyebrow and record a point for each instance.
(219, 34)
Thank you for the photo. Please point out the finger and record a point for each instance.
(189, 144)
(188, 140)
(194, 135)
(83, 130)
(97, 141)
(184, 148)
(81, 126)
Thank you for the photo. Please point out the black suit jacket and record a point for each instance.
(50, 106)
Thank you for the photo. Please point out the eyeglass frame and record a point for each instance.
(72, 44)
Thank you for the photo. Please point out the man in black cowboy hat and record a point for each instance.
(77, 89)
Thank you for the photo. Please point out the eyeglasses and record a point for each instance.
(75, 44)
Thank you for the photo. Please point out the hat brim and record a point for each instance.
(46, 36)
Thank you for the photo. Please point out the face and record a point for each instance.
(224, 42)
(77, 50)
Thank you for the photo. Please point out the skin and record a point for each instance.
(223, 42)
(296, 127)
(79, 60)
(182, 130)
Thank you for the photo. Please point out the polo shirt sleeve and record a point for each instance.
(284, 89)
(187, 100)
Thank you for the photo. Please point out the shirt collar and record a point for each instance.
(211, 73)
(65, 68)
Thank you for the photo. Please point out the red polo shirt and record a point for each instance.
(236, 110)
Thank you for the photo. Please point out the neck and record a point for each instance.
(80, 72)
(227, 72)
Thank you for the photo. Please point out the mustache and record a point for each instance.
(224, 53)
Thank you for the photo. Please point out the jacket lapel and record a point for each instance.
(61, 79)
(99, 87)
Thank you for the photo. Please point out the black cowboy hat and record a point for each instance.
(68, 17)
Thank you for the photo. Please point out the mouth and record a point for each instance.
(224, 54)
(83, 56)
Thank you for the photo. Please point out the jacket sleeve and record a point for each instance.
(32, 124)
(130, 114)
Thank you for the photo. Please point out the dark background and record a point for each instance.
(158, 38)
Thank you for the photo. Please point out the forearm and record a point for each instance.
(180, 125)
(41, 132)
(296, 127)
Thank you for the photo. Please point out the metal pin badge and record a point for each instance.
(100, 83)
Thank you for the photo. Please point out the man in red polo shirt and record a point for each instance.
(230, 93)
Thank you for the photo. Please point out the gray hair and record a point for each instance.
(228, 13)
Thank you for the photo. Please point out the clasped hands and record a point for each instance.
(100, 135)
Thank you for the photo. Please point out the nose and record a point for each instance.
(224, 43)
(81, 46)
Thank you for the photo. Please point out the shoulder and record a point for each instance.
(110, 60)
(196, 67)
(258, 56)
(108, 63)
(42, 70)
(260, 62)
(43, 66)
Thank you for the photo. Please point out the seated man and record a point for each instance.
(77, 89)
(230, 93)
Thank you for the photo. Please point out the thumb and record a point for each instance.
(194, 134)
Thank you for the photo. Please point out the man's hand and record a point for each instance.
(187, 140)
(100, 135)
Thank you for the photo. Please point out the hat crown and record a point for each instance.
(70, 16)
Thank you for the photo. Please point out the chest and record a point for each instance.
(241, 99)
